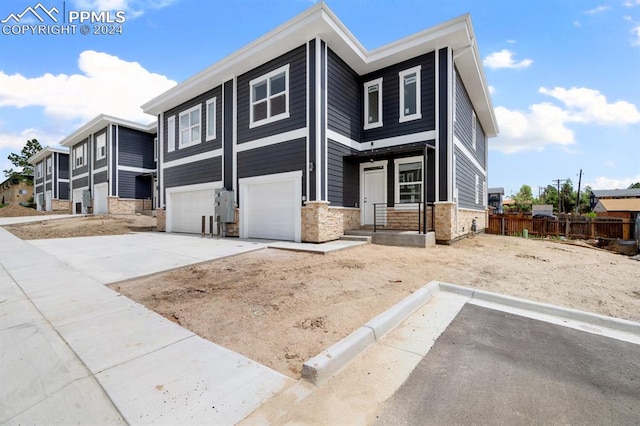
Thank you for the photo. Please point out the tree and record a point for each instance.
(523, 199)
(22, 160)
(585, 200)
(634, 186)
(567, 196)
(550, 196)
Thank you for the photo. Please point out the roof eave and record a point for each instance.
(100, 122)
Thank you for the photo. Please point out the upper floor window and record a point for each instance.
(79, 159)
(409, 181)
(410, 94)
(269, 97)
(48, 165)
(101, 146)
(155, 149)
(473, 129)
(190, 127)
(373, 104)
(211, 119)
(38, 170)
(171, 133)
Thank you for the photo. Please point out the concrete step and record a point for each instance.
(151, 213)
(365, 238)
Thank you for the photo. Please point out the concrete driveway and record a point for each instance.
(114, 258)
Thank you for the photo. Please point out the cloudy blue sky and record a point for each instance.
(564, 74)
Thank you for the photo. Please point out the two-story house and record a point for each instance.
(17, 189)
(51, 180)
(113, 166)
(317, 135)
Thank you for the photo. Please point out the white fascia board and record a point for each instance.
(45, 152)
(99, 123)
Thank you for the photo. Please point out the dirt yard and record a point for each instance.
(16, 210)
(281, 308)
(86, 226)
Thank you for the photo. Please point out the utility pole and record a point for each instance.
(557, 181)
(578, 196)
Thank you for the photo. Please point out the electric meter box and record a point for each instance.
(224, 206)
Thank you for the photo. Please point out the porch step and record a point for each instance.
(365, 238)
(151, 213)
(396, 238)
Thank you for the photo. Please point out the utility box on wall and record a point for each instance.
(224, 206)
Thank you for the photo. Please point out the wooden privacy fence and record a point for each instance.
(577, 227)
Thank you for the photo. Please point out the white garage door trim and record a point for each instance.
(295, 178)
(100, 194)
(185, 188)
(48, 198)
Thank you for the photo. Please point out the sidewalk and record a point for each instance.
(75, 351)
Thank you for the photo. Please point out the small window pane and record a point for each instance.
(411, 193)
(260, 111)
(184, 136)
(373, 104)
(184, 121)
(278, 105)
(260, 91)
(277, 84)
(410, 172)
(195, 133)
(410, 89)
(211, 111)
(195, 117)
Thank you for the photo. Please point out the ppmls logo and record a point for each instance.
(50, 21)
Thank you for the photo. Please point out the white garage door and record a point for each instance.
(100, 198)
(187, 209)
(271, 207)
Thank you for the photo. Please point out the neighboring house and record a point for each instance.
(612, 194)
(315, 134)
(51, 176)
(112, 166)
(17, 189)
(495, 196)
(624, 208)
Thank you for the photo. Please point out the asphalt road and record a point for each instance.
(491, 367)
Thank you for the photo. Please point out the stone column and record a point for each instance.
(444, 217)
(161, 217)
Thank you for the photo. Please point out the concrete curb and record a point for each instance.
(617, 324)
(328, 362)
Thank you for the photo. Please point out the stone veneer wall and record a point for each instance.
(61, 206)
(233, 229)
(161, 220)
(445, 218)
(465, 218)
(116, 205)
(321, 223)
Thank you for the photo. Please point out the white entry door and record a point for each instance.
(373, 191)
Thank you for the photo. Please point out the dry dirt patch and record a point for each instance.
(16, 210)
(84, 226)
(281, 308)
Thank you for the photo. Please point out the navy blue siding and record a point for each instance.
(100, 177)
(312, 122)
(344, 93)
(133, 185)
(463, 124)
(113, 161)
(81, 183)
(228, 134)
(297, 96)
(48, 186)
(466, 180)
(209, 170)
(39, 189)
(63, 168)
(391, 99)
(135, 148)
(64, 191)
(204, 145)
(279, 158)
(43, 166)
(44, 169)
(443, 102)
(343, 176)
(102, 162)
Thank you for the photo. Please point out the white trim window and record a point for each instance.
(155, 149)
(410, 95)
(473, 129)
(477, 189)
(39, 170)
(373, 104)
(409, 180)
(79, 159)
(49, 165)
(101, 146)
(210, 111)
(269, 97)
(190, 121)
(171, 133)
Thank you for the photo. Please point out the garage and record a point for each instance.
(270, 206)
(185, 208)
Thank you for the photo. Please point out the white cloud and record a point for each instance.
(492, 90)
(542, 125)
(504, 59)
(107, 85)
(15, 141)
(590, 106)
(577, 24)
(598, 9)
(134, 8)
(631, 3)
(604, 182)
(610, 163)
(635, 36)
(545, 124)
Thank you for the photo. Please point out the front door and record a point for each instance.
(373, 178)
